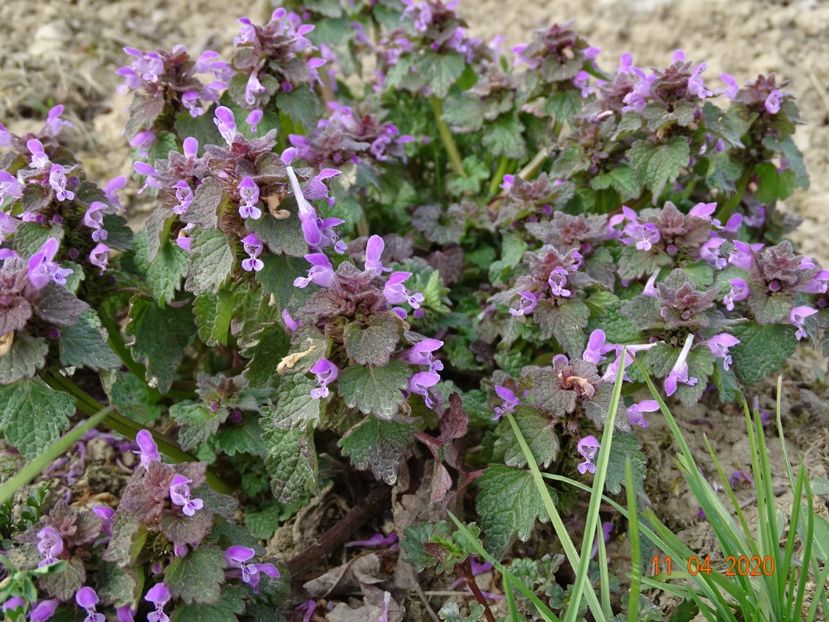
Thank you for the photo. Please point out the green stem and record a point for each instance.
(533, 165)
(503, 164)
(446, 137)
(54, 451)
(734, 202)
(125, 426)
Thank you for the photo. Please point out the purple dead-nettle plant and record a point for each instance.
(169, 80)
(240, 557)
(272, 59)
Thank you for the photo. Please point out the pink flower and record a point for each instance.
(226, 124)
(597, 347)
(326, 373)
(87, 599)
(797, 318)
(249, 194)
(420, 383)
(147, 449)
(43, 269)
(739, 291)
(57, 180)
(49, 545)
(320, 273)
(509, 402)
(159, 595)
(588, 448)
(240, 556)
(773, 101)
(679, 372)
(524, 305)
(719, 346)
(180, 495)
(634, 412)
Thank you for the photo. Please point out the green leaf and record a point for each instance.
(263, 523)
(127, 540)
(622, 179)
(85, 344)
(197, 423)
(440, 71)
(231, 603)
(374, 342)
(375, 390)
(211, 261)
(569, 162)
(118, 586)
(774, 184)
(540, 435)
(414, 541)
(625, 445)
(198, 576)
(213, 314)
(277, 278)
(763, 349)
(202, 128)
(160, 336)
(508, 504)
(302, 105)
(271, 345)
(281, 236)
(29, 237)
(378, 445)
(164, 273)
(464, 111)
(291, 461)
(132, 398)
(512, 250)
(295, 408)
(503, 137)
(608, 316)
(26, 356)
(566, 322)
(203, 211)
(242, 438)
(33, 415)
(64, 582)
(659, 165)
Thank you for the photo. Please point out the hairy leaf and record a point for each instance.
(291, 461)
(198, 576)
(378, 445)
(211, 261)
(375, 390)
(33, 415)
(374, 342)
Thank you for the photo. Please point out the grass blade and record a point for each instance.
(635, 550)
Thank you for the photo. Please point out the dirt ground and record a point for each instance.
(66, 51)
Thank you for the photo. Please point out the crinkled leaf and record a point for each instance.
(566, 322)
(634, 264)
(302, 105)
(127, 540)
(271, 345)
(206, 201)
(569, 162)
(441, 71)
(281, 236)
(504, 137)
(762, 350)
(512, 250)
(375, 390)
(213, 313)
(85, 344)
(143, 111)
(30, 236)
(625, 445)
(378, 445)
(414, 541)
(118, 586)
(33, 415)
(132, 398)
(373, 342)
(291, 461)
(211, 261)
(537, 430)
(245, 437)
(508, 504)
(197, 577)
(164, 273)
(64, 582)
(295, 408)
(155, 225)
(26, 356)
(622, 179)
(186, 530)
(60, 307)
(160, 336)
(197, 423)
(659, 164)
(608, 316)
(231, 603)
(277, 278)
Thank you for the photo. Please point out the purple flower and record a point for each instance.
(582, 82)
(49, 545)
(679, 372)
(740, 477)
(650, 286)
(240, 556)
(249, 194)
(87, 599)
(588, 448)
(253, 247)
(147, 449)
(731, 86)
(142, 141)
(54, 124)
(557, 281)
(524, 305)
(420, 382)
(182, 239)
(13, 604)
(253, 89)
(43, 610)
(105, 513)
(159, 595)
(226, 124)
(773, 101)
(39, 158)
(742, 255)
(739, 291)
(43, 269)
(57, 179)
(320, 273)
(509, 180)
(644, 235)
(394, 291)
(190, 101)
(94, 219)
(509, 402)
(290, 323)
(180, 495)
(190, 148)
(9, 186)
(99, 256)
(421, 354)
(634, 412)
(184, 196)
(326, 373)
(145, 170)
(703, 211)
(308, 608)
(797, 317)
(696, 85)
(719, 345)
(125, 614)
(376, 540)
(597, 347)
(253, 119)
(607, 530)
(374, 250)
(710, 252)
